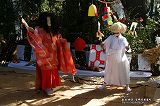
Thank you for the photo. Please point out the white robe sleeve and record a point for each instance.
(125, 42)
(107, 43)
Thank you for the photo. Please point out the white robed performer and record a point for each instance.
(117, 65)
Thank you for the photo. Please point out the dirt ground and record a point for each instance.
(17, 89)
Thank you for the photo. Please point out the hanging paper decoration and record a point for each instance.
(99, 26)
(106, 9)
(114, 18)
(123, 19)
(132, 29)
(105, 22)
(141, 19)
(118, 8)
(104, 17)
(110, 22)
(133, 26)
(107, 19)
(92, 11)
(79, 44)
(99, 34)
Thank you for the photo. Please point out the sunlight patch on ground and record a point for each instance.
(95, 102)
(23, 104)
(59, 95)
(19, 103)
(76, 90)
(32, 83)
(73, 92)
(112, 88)
(157, 101)
(32, 88)
(29, 101)
(141, 82)
(119, 94)
(84, 86)
(153, 79)
(9, 88)
(103, 101)
(45, 101)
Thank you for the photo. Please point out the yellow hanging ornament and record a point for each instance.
(92, 11)
(99, 35)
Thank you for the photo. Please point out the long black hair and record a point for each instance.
(42, 22)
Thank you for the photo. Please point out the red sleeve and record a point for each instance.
(65, 59)
(40, 50)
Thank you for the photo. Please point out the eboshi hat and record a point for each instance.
(118, 27)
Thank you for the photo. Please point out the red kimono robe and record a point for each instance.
(52, 54)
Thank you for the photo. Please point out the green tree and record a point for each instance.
(7, 18)
(7, 28)
(76, 21)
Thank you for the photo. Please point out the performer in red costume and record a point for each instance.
(51, 51)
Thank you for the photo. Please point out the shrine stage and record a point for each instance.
(87, 73)
(22, 65)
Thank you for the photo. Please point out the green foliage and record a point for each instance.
(7, 18)
(143, 40)
(45, 6)
(51, 6)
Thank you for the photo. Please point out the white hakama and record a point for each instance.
(117, 65)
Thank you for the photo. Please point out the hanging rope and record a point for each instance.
(105, 2)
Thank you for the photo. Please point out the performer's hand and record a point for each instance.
(102, 45)
(30, 29)
(63, 40)
(20, 17)
(24, 23)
